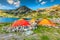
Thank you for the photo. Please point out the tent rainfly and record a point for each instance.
(46, 22)
(20, 23)
(32, 20)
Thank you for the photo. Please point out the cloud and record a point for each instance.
(52, 0)
(2, 6)
(16, 3)
(10, 1)
(42, 3)
(40, 0)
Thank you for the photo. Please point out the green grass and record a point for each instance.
(42, 33)
(44, 37)
(46, 33)
(3, 25)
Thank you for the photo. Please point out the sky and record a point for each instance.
(33, 4)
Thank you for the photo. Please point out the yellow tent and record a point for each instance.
(32, 20)
(46, 22)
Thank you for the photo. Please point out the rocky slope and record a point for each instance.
(20, 10)
(25, 12)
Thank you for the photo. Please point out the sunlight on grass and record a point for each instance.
(46, 33)
(44, 37)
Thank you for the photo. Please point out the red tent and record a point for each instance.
(20, 23)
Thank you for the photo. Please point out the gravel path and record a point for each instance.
(10, 37)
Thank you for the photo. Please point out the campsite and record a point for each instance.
(29, 19)
(45, 29)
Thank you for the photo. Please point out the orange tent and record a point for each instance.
(20, 23)
(46, 22)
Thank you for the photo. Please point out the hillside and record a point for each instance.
(25, 12)
(20, 10)
(3, 14)
(53, 11)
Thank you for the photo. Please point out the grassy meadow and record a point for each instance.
(45, 33)
(41, 33)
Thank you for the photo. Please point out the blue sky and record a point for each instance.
(33, 4)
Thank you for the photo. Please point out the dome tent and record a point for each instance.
(33, 23)
(46, 22)
(21, 22)
(32, 20)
